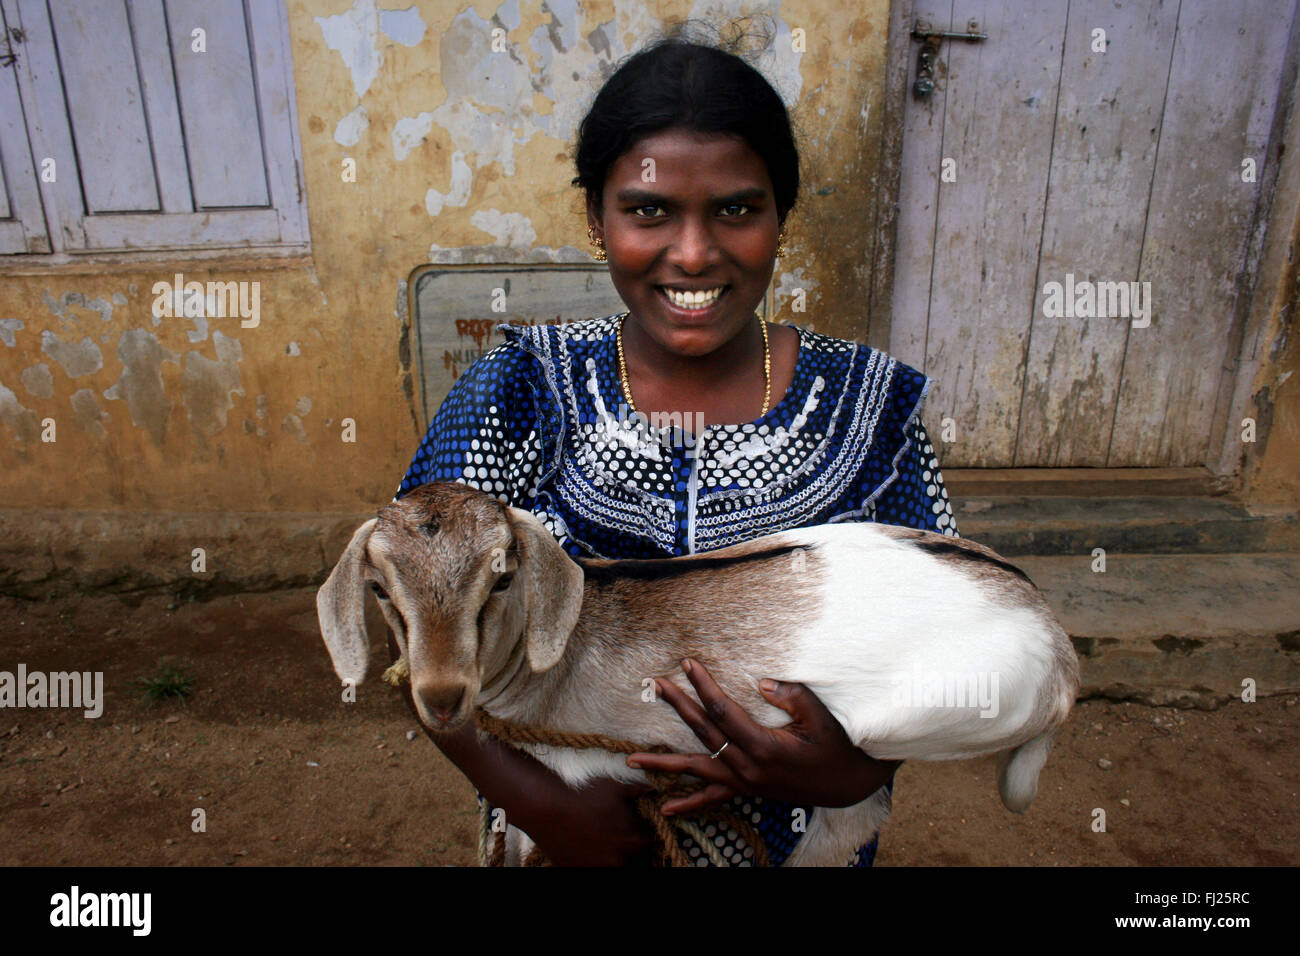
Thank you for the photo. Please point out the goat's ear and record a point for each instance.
(340, 605)
(552, 590)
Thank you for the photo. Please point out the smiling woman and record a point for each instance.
(689, 167)
(693, 273)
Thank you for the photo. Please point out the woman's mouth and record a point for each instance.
(695, 303)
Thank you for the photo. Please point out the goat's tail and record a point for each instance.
(1018, 771)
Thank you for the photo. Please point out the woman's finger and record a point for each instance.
(805, 707)
(710, 796)
(723, 712)
(692, 713)
(698, 765)
(715, 740)
(724, 745)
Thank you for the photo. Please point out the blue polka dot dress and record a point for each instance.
(541, 423)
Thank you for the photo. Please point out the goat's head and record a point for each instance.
(462, 580)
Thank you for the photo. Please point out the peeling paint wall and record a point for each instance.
(461, 155)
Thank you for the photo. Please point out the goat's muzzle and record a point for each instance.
(443, 706)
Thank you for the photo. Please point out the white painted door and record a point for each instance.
(1041, 159)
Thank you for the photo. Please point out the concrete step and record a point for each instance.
(1145, 525)
(1178, 629)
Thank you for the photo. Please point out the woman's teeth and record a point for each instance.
(693, 300)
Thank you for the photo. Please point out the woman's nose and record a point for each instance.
(694, 247)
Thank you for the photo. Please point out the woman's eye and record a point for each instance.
(744, 210)
(503, 583)
(379, 592)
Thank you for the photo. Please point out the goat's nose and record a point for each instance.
(441, 700)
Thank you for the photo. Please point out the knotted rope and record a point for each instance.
(671, 852)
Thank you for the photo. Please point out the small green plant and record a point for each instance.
(168, 681)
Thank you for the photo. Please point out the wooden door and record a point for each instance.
(1041, 159)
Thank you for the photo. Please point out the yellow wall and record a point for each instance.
(258, 428)
(250, 419)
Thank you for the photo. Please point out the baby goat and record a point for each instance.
(924, 647)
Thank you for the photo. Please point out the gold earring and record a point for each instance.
(599, 255)
(780, 244)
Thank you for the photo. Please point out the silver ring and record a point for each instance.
(718, 752)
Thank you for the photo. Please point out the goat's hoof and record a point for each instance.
(398, 672)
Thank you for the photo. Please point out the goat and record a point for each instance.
(488, 610)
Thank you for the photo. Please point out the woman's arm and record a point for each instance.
(595, 826)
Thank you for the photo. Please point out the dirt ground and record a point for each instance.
(289, 774)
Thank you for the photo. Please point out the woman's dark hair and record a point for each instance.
(678, 82)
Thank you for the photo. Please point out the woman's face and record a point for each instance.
(706, 221)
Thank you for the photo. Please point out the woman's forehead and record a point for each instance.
(686, 155)
(681, 140)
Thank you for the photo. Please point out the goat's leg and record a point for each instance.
(835, 833)
(518, 844)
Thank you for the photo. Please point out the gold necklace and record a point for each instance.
(767, 366)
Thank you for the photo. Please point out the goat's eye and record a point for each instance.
(379, 592)
(503, 583)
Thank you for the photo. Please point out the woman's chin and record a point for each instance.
(692, 341)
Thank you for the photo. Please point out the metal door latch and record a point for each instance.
(9, 57)
(930, 40)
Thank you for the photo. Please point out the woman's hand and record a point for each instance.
(810, 760)
(597, 825)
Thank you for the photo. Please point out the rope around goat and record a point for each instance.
(671, 852)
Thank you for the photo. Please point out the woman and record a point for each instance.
(780, 427)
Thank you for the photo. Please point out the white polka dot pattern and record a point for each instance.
(540, 421)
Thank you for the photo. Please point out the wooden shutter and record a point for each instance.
(158, 145)
(22, 226)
